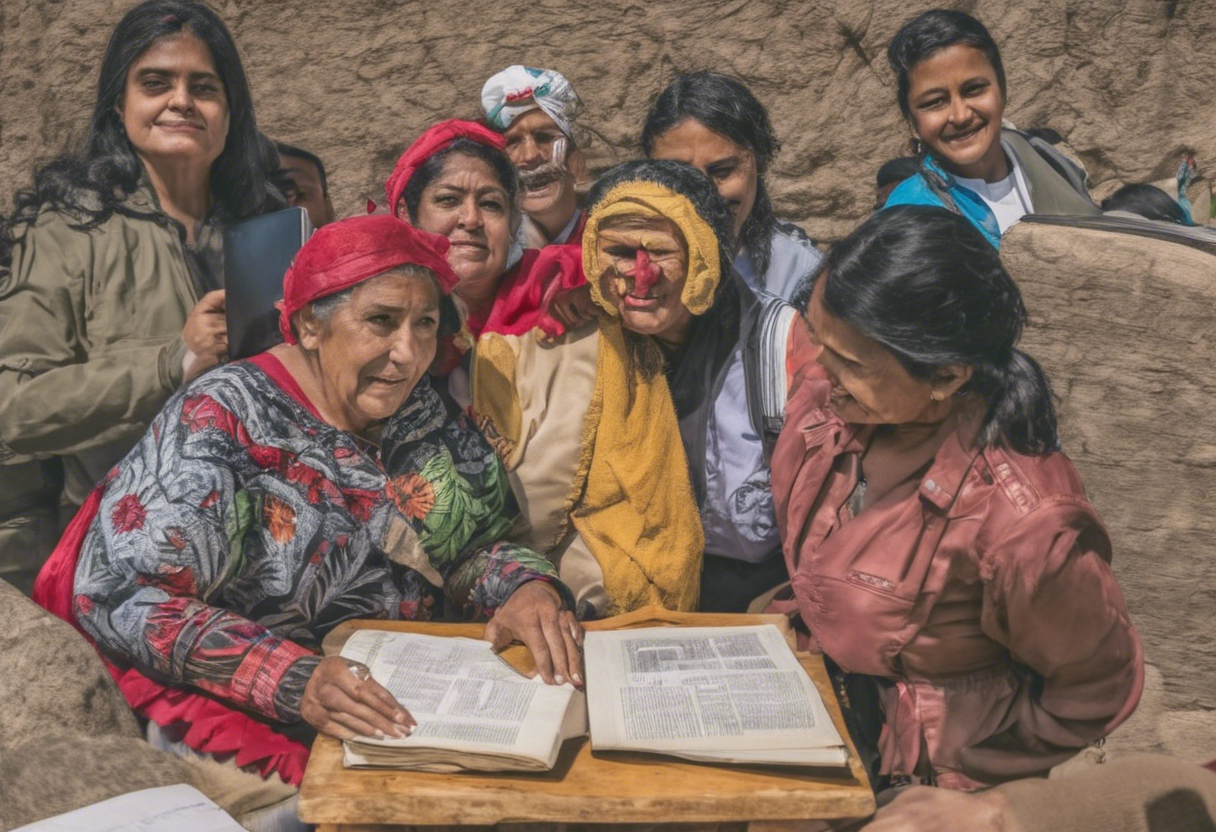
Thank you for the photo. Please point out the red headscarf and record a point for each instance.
(428, 144)
(350, 251)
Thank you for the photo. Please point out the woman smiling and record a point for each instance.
(114, 293)
(952, 93)
(942, 550)
(455, 180)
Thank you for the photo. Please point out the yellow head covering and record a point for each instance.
(655, 200)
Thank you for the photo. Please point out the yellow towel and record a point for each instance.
(632, 501)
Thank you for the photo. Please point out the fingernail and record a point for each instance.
(578, 680)
(379, 734)
(399, 717)
(558, 678)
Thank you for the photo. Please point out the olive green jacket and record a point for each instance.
(90, 333)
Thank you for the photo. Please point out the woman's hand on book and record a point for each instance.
(534, 615)
(342, 700)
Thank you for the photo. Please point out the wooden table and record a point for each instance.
(603, 788)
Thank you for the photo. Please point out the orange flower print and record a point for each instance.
(280, 519)
(413, 496)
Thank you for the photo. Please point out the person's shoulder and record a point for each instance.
(914, 190)
(1031, 488)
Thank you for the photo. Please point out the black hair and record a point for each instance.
(91, 182)
(897, 170)
(285, 149)
(1046, 134)
(1148, 201)
(924, 283)
(928, 33)
(724, 105)
(431, 169)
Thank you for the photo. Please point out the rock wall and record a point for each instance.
(1127, 83)
(1130, 351)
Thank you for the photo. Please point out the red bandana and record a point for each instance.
(428, 144)
(350, 251)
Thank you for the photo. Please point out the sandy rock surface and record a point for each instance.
(1130, 354)
(1129, 84)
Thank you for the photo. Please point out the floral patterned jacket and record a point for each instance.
(242, 528)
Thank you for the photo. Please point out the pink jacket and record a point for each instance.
(984, 593)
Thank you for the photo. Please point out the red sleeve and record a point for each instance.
(525, 293)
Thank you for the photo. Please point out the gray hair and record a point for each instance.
(322, 309)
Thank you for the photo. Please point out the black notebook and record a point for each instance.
(257, 253)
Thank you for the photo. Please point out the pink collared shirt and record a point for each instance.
(982, 590)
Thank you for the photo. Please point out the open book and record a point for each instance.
(711, 694)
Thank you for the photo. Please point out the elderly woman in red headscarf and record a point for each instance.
(455, 180)
(321, 481)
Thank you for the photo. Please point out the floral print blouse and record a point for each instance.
(243, 528)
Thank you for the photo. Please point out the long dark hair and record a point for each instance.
(931, 32)
(928, 286)
(431, 169)
(1148, 201)
(91, 182)
(724, 105)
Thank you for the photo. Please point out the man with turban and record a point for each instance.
(535, 110)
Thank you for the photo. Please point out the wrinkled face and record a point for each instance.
(174, 106)
(643, 262)
(539, 149)
(305, 190)
(374, 348)
(956, 108)
(468, 204)
(869, 385)
(730, 166)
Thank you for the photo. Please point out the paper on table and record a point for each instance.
(178, 808)
(464, 697)
(712, 693)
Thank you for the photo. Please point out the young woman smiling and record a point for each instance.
(714, 123)
(113, 298)
(951, 88)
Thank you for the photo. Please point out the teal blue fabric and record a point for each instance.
(916, 191)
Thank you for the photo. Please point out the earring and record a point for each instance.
(918, 147)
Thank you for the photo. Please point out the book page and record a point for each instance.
(714, 690)
(464, 697)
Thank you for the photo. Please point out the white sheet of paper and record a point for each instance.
(178, 808)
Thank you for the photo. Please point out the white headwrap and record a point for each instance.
(518, 89)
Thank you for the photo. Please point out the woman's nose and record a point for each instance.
(180, 98)
(470, 214)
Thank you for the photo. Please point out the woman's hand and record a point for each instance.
(206, 335)
(534, 615)
(342, 700)
(927, 809)
(573, 307)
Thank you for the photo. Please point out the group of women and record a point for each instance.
(434, 439)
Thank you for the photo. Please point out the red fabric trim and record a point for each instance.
(214, 728)
(280, 375)
(524, 295)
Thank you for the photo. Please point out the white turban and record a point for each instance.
(518, 89)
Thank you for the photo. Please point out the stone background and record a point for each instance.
(1127, 82)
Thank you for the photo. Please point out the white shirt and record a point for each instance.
(1008, 198)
